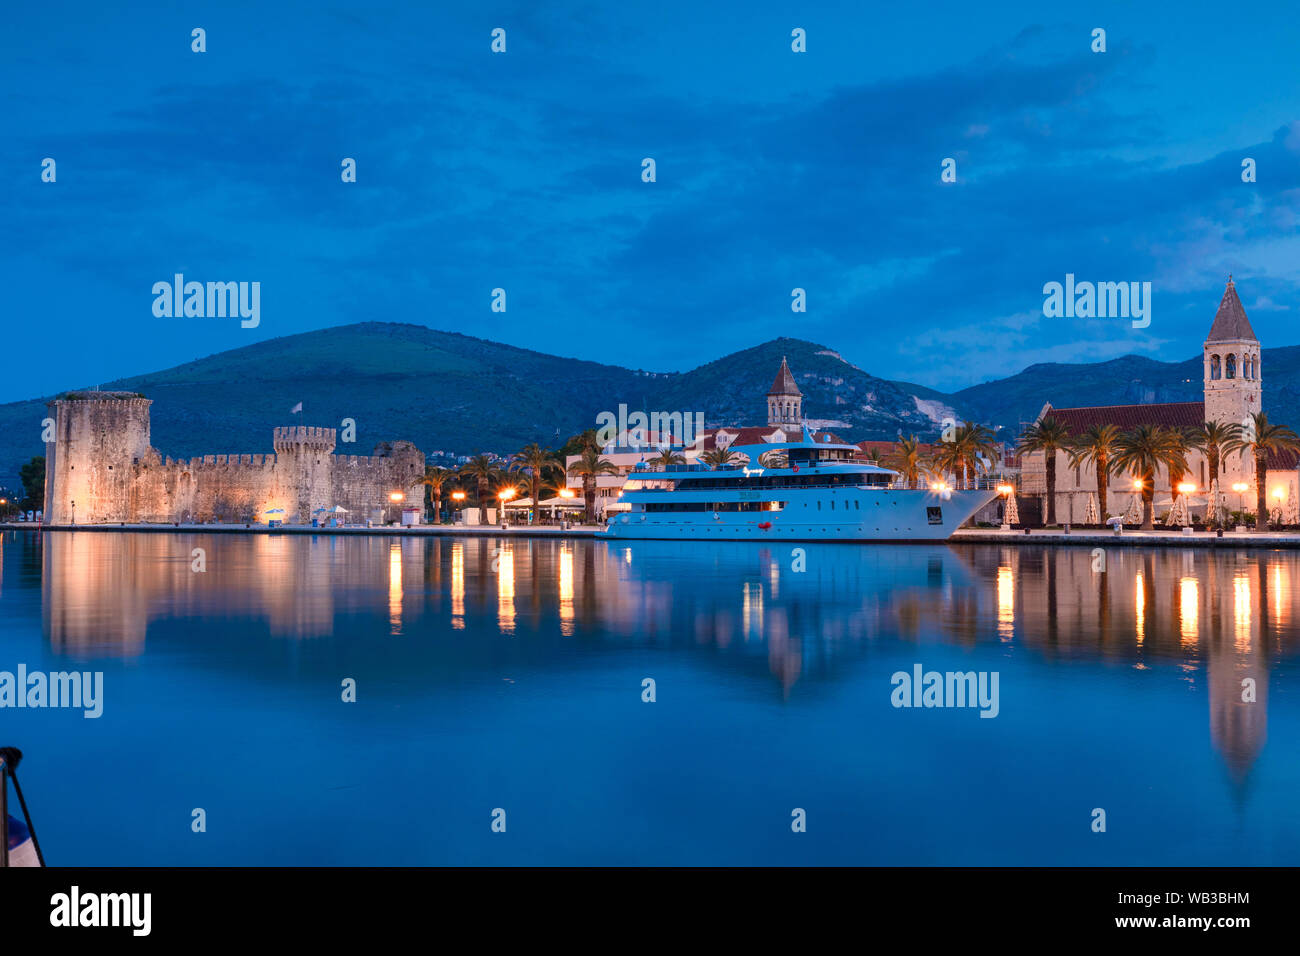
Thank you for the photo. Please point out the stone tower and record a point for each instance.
(784, 400)
(304, 460)
(1232, 375)
(98, 440)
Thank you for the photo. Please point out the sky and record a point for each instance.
(522, 170)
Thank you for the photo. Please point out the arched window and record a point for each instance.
(1215, 371)
(1230, 367)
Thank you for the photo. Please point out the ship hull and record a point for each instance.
(865, 514)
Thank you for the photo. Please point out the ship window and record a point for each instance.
(934, 515)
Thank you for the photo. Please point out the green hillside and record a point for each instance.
(456, 393)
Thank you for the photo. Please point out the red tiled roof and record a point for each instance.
(749, 435)
(784, 382)
(1230, 322)
(1124, 417)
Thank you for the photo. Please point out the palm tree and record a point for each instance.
(1048, 435)
(537, 463)
(1141, 452)
(976, 442)
(774, 459)
(1180, 445)
(588, 467)
(1217, 440)
(1261, 438)
(667, 458)
(720, 457)
(907, 459)
(1095, 446)
(434, 479)
(482, 471)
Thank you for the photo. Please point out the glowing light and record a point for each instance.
(395, 588)
(1241, 610)
(506, 591)
(396, 496)
(1005, 490)
(940, 486)
(505, 494)
(1137, 484)
(1141, 609)
(1240, 487)
(458, 586)
(1188, 609)
(1186, 487)
(566, 492)
(1006, 602)
(566, 590)
(458, 496)
(1279, 493)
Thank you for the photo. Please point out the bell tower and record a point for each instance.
(1232, 374)
(1232, 367)
(784, 400)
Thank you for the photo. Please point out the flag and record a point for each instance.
(22, 852)
(296, 409)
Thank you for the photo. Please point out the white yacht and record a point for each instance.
(822, 491)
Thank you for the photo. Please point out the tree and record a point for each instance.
(1261, 438)
(720, 457)
(434, 479)
(1141, 452)
(537, 463)
(774, 459)
(1217, 440)
(907, 459)
(667, 458)
(1048, 435)
(1095, 446)
(481, 471)
(32, 475)
(589, 467)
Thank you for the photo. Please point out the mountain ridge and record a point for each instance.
(454, 392)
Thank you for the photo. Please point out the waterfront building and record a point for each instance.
(1232, 387)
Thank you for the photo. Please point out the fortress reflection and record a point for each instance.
(1222, 617)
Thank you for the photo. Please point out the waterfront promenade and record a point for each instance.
(415, 531)
(1037, 537)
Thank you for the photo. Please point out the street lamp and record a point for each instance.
(505, 494)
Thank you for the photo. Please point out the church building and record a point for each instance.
(1233, 375)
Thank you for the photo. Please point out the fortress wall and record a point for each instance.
(213, 487)
(101, 460)
(363, 484)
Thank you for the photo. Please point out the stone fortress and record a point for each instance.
(100, 468)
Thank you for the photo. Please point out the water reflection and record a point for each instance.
(1221, 617)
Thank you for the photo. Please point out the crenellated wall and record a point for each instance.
(102, 469)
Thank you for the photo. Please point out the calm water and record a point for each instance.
(508, 674)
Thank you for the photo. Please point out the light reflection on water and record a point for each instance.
(767, 675)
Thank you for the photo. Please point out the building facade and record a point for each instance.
(101, 468)
(1232, 387)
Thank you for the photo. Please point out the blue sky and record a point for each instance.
(775, 170)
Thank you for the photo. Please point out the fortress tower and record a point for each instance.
(784, 400)
(97, 439)
(305, 456)
(1232, 375)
